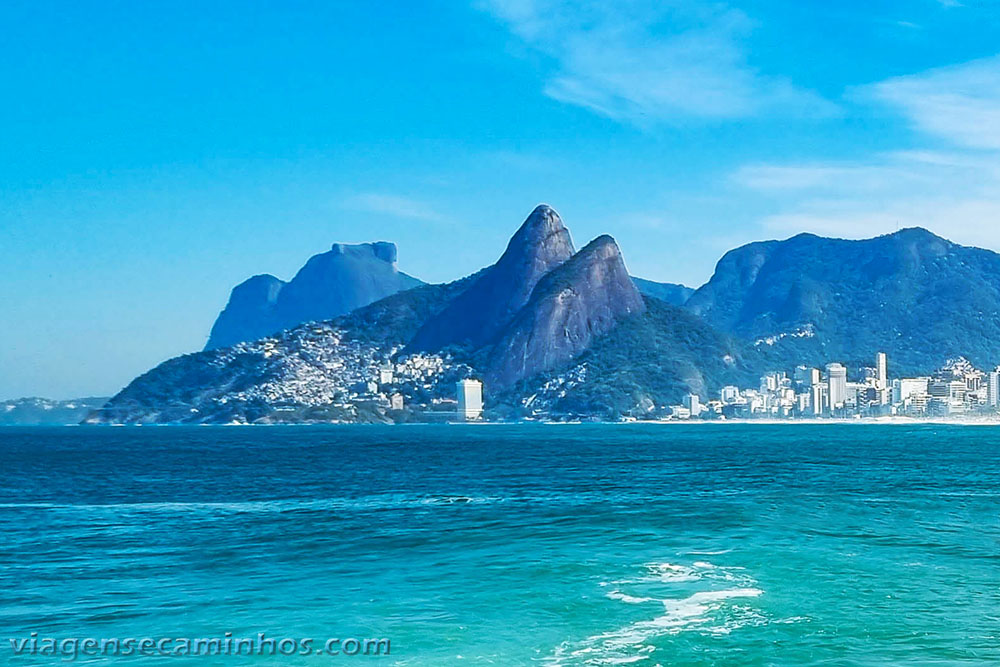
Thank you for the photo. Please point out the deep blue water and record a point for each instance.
(511, 545)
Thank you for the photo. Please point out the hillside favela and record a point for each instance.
(802, 328)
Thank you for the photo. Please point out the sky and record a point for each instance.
(154, 155)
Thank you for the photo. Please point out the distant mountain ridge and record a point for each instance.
(672, 293)
(35, 411)
(558, 332)
(330, 284)
(912, 294)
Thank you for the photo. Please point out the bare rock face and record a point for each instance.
(478, 315)
(250, 313)
(572, 305)
(329, 285)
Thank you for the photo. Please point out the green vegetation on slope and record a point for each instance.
(651, 359)
(395, 319)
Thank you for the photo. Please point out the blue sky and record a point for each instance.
(156, 154)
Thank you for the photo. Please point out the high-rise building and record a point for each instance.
(907, 388)
(806, 377)
(881, 371)
(993, 389)
(836, 377)
(693, 403)
(470, 399)
(730, 394)
(820, 398)
(773, 381)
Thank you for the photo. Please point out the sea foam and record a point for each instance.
(709, 611)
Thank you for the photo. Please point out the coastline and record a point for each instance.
(874, 421)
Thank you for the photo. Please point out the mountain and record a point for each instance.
(674, 294)
(531, 313)
(649, 361)
(477, 316)
(318, 371)
(571, 305)
(559, 333)
(46, 412)
(917, 296)
(329, 285)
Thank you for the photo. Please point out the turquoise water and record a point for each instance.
(511, 545)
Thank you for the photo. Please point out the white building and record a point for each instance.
(770, 382)
(680, 412)
(730, 394)
(993, 389)
(910, 394)
(905, 388)
(836, 377)
(693, 404)
(470, 399)
(820, 398)
(881, 371)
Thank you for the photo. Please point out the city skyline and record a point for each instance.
(956, 389)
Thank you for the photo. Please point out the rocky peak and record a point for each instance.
(258, 291)
(542, 236)
(539, 245)
(383, 250)
(572, 305)
(330, 284)
(478, 315)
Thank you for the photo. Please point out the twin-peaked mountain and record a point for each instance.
(539, 306)
(329, 285)
(571, 306)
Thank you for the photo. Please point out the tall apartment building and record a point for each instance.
(470, 399)
(693, 403)
(836, 377)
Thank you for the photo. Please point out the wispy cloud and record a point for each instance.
(960, 104)
(645, 61)
(955, 194)
(952, 189)
(394, 205)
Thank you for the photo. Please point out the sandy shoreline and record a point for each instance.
(873, 421)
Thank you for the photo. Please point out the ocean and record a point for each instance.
(527, 544)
